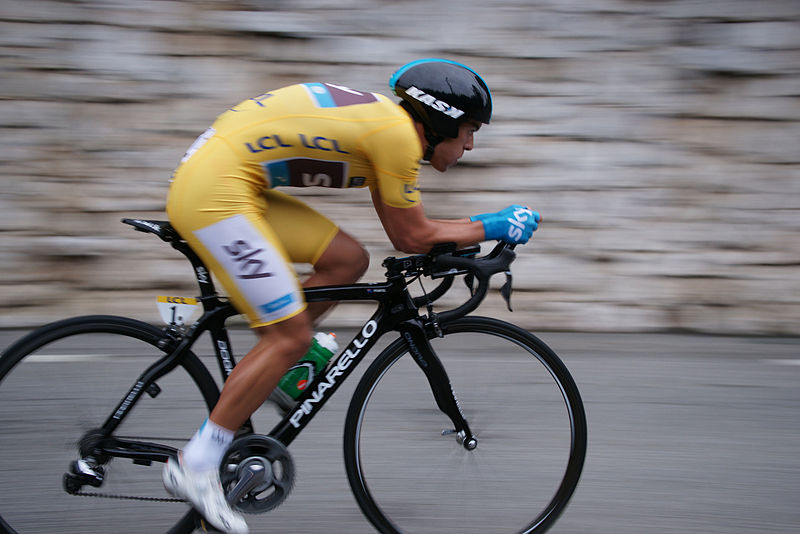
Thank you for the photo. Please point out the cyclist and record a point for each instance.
(224, 203)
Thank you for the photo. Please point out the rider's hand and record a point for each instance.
(514, 225)
(504, 212)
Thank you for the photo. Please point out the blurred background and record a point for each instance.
(659, 140)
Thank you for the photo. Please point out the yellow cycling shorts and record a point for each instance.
(249, 237)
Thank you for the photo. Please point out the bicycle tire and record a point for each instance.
(44, 412)
(398, 462)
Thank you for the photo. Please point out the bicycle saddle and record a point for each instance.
(162, 229)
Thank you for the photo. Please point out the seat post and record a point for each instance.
(201, 272)
(165, 232)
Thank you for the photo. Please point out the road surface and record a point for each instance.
(686, 434)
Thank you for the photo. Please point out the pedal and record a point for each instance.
(82, 472)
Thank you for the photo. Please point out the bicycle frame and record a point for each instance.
(397, 311)
(379, 440)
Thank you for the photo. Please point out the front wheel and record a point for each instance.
(410, 475)
(57, 385)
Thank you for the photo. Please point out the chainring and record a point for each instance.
(257, 473)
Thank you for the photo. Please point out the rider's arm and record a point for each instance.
(410, 231)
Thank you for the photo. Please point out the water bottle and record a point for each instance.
(299, 376)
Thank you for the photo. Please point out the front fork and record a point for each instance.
(413, 333)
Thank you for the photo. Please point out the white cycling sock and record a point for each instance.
(205, 450)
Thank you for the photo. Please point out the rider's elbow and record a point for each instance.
(412, 243)
(404, 244)
(412, 237)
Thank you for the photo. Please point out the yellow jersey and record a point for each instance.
(315, 134)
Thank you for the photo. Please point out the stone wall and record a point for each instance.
(659, 139)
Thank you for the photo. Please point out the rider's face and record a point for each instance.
(449, 151)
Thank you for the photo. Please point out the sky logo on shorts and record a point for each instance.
(250, 265)
(255, 268)
(277, 304)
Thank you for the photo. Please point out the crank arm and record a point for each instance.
(253, 476)
(138, 451)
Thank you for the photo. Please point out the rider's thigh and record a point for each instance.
(249, 260)
(304, 232)
(310, 237)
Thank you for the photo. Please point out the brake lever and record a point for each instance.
(506, 290)
(469, 280)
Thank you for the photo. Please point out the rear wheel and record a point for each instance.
(61, 382)
(523, 408)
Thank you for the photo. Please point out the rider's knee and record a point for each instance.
(360, 261)
(345, 258)
(298, 343)
(354, 258)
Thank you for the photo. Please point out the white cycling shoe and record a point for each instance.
(203, 490)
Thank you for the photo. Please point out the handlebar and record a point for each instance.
(444, 261)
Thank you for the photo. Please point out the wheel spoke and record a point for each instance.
(409, 478)
(58, 386)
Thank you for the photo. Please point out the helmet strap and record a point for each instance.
(430, 137)
(433, 140)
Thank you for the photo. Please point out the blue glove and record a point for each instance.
(514, 225)
(504, 212)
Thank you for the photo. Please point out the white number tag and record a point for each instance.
(177, 310)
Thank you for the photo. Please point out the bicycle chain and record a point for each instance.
(126, 497)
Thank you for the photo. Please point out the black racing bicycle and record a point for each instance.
(461, 424)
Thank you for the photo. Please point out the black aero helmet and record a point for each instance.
(442, 94)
